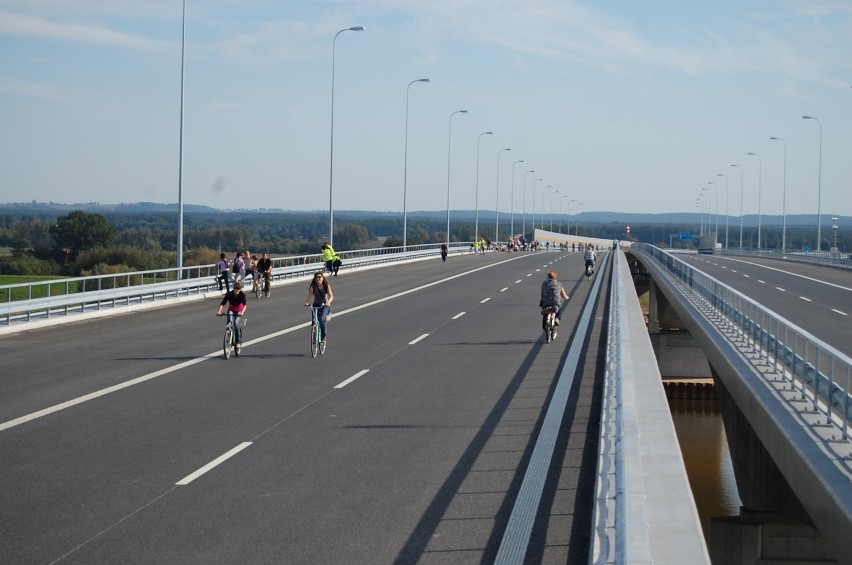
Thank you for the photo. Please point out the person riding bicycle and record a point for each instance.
(445, 248)
(552, 295)
(590, 256)
(332, 261)
(320, 296)
(264, 266)
(236, 301)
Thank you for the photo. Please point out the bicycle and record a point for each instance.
(317, 339)
(550, 325)
(262, 287)
(590, 270)
(229, 343)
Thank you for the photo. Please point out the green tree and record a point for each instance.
(350, 236)
(80, 231)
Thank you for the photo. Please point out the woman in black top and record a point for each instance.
(320, 295)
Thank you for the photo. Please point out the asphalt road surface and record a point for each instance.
(130, 439)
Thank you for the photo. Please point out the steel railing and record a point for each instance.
(817, 371)
(43, 299)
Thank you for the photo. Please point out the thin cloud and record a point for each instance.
(29, 89)
(89, 33)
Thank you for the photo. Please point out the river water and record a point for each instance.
(701, 435)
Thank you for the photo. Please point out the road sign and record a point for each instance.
(686, 235)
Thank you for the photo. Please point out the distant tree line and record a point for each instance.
(83, 243)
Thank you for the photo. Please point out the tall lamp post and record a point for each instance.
(542, 203)
(726, 207)
(524, 205)
(819, 185)
(561, 215)
(331, 144)
(715, 215)
(512, 203)
(449, 146)
(552, 194)
(741, 203)
(759, 190)
(180, 149)
(405, 171)
(783, 197)
(569, 215)
(497, 206)
(533, 206)
(476, 228)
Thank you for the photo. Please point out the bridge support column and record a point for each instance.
(678, 355)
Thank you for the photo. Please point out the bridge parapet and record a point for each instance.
(644, 510)
(784, 396)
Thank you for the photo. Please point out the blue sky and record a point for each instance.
(619, 105)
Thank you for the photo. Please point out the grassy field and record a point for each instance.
(39, 291)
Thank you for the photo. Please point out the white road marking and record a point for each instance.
(504, 289)
(484, 300)
(839, 312)
(517, 281)
(761, 282)
(793, 274)
(422, 337)
(354, 377)
(746, 276)
(781, 289)
(218, 461)
(459, 315)
(530, 274)
(806, 299)
(218, 352)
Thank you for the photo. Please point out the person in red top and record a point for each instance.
(236, 301)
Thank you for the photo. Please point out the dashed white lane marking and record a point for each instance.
(806, 299)
(422, 337)
(761, 282)
(216, 462)
(484, 300)
(354, 377)
(746, 276)
(839, 312)
(517, 281)
(530, 274)
(781, 289)
(459, 315)
(504, 289)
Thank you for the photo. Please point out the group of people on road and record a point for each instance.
(243, 265)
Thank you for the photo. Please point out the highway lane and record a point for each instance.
(817, 299)
(362, 473)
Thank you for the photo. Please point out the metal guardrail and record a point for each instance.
(844, 261)
(22, 302)
(815, 369)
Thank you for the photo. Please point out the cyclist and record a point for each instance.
(236, 301)
(445, 248)
(320, 296)
(552, 296)
(590, 256)
(251, 269)
(332, 261)
(264, 266)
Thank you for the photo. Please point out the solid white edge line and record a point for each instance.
(484, 300)
(354, 377)
(459, 315)
(218, 461)
(839, 312)
(421, 338)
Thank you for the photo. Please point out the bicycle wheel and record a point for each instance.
(266, 288)
(227, 343)
(256, 286)
(314, 340)
(322, 347)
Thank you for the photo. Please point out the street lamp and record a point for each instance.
(331, 144)
(497, 207)
(449, 145)
(726, 207)
(569, 216)
(759, 190)
(819, 185)
(533, 206)
(512, 203)
(476, 228)
(405, 171)
(561, 215)
(716, 214)
(741, 203)
(783, 197)
(524, 206)
(180, 149)
(542, 203)
(552, 194)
